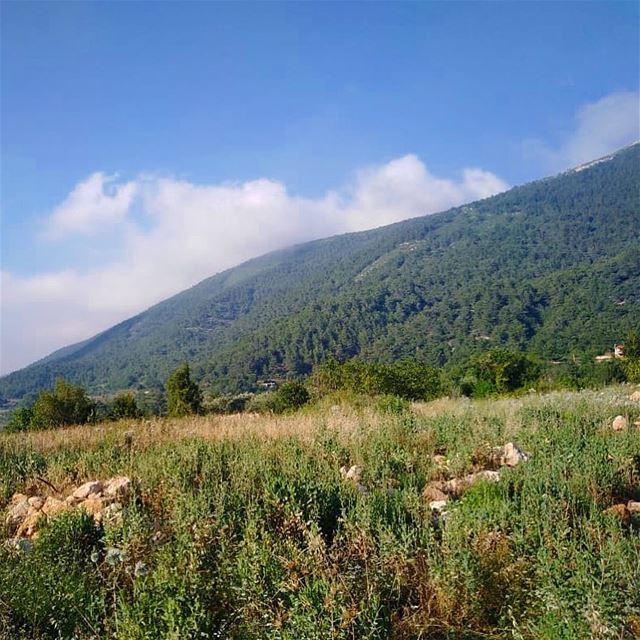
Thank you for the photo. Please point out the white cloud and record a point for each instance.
(600, 127)
(94, 203)
(192, 231)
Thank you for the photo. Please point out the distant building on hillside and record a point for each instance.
(618, 352)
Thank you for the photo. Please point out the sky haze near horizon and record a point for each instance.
(148, 145)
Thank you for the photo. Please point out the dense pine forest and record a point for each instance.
(551, 268)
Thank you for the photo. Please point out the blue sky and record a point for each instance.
(254, 125)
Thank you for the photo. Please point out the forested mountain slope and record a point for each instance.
(552, 267)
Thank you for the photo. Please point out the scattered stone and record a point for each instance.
(119, 486)
(619, 423)
(635, 396)
(433, 493)
(441, 490)
(362, 489)
(633, 506)
(440, 460)
(140, 570)
(458, 486)
(438, 505)
(52, 507)
(93, 507)
(114, 556)
(112, 514)
(18, 511)
(82, 492)
(36, 502)
(29, 526)
(620, 511)
(22, 545)
(509, 455)
(351, 473)
(25, 513)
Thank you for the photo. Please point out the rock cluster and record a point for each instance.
(438, 492)
(101, 499)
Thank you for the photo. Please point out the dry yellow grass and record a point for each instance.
(303, 426)
(344, 419)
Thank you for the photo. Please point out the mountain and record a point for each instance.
(552, 267)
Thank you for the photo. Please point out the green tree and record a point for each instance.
(20, 420)
(183, 394)
(501, 370)
(66, 404)
(124, 406)
(413, 380)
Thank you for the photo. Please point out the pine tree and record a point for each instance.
(183, 394)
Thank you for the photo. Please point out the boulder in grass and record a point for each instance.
(352, 473)
(17, 512)
(635, 396)
(619, 423)
(509, 455)
(82, 492)
(29, 526)
(438, 505)
(433, 492)
(94, 507)
(119, 486)
(458, 486)
(36, 502)
(633, 506)
(619, 511)
(52, 507)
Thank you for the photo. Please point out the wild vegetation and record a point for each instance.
(244, 526)
(492, 372)
(551, 268)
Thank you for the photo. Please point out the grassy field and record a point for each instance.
(243, 527)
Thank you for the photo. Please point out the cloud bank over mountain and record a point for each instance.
(599, 128)
(168, 233)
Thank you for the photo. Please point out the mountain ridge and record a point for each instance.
(510, 267)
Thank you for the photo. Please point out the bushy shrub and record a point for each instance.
(124, 406)
(407, 379)
(499, 371)
(66, 404)
(70, 538)
(20, 420)
(49, 588)
(289, 397)
(229, 404)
